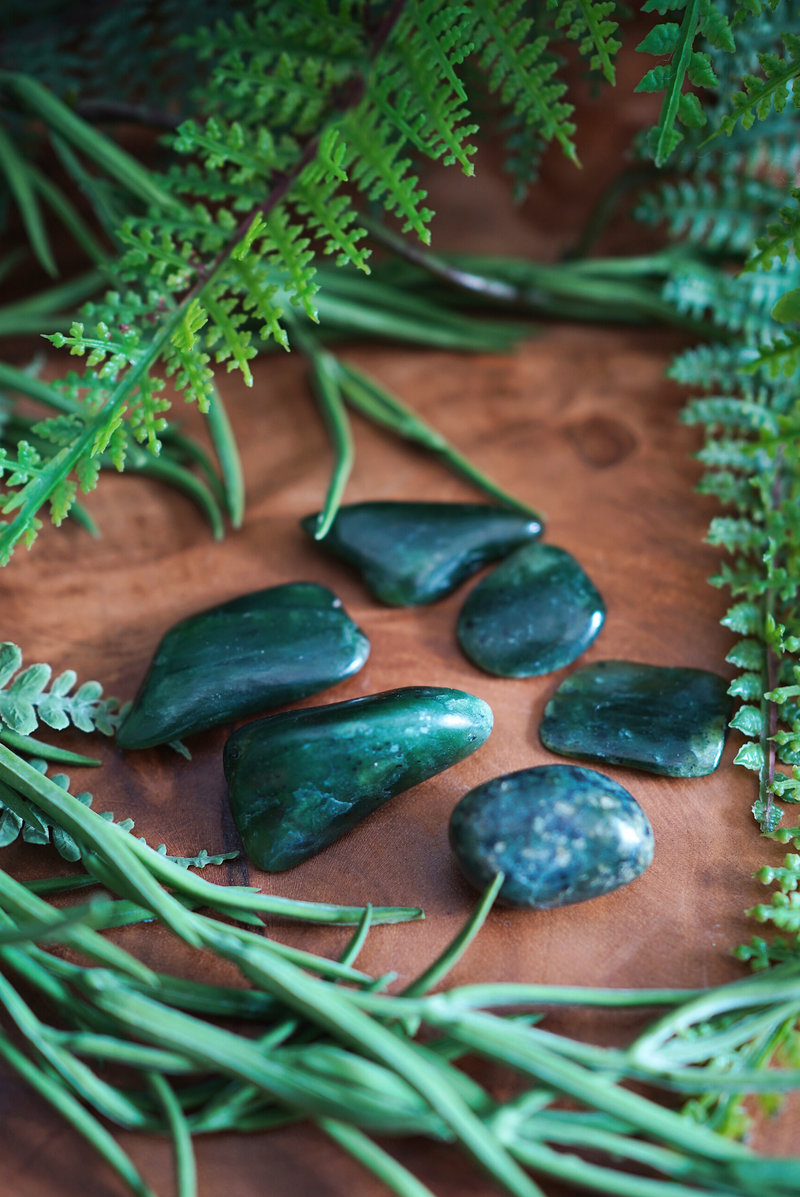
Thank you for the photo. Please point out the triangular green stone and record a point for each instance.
(245, 656)
(412, 553)
(300, 779)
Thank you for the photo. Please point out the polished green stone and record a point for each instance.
(245, 656)
(536, 612)
(669, 721)
(560, 834)
(411, 553)
(300, 779)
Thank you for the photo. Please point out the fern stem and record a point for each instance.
(463, 279)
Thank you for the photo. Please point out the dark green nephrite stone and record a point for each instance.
(410, 553)
(300, 779)
(536, 612)
(669, 721)
(560, 834)
(255, 652)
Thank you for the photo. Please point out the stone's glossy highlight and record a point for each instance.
(560, 833)
(411, 553)
(536, 612)
(245, 656)
(670, 721)
(300, 779)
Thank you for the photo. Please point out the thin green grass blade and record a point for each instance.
(23, 905)
(350, 954)
(229, 898)
(183, 449)
(325, 378)
(122, 1051)
(59, 885)
(379, 1162)
(119, 164)
(18, 177)
(455, 950)
(109, 841)
(81, 516)
(108, 1101)
(69, 216)
(18, 380)
(185, 1168)
(227, 451)
(85, 1123)
(164, 470)
(10, 261)
(382, 407)
(97, 191)
(332, 1009)
(34, 931)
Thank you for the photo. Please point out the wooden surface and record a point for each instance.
(579, 422)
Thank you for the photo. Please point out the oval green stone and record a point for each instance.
(411, 553)
(560, 834)
(300, 779)
(669, 721)
(245, 656)
(536, 612)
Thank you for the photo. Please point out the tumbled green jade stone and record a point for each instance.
(560, 834)
(536, 612)
(669, 721)
(300, 779)
(411, 553)
(253, 653)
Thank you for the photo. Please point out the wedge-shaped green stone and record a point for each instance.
(560, 834)
(536, 612)
(669, 721)
(300, 779)
(411, 553)
(253, 653)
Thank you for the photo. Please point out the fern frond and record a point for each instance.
(376, 168)
(186, 359)
(780, 239)
(760, 95)
(522, 71)
(420, 92)
(25, 699)
(726, 214)
(678, 42)
(146, 418)
(587, 22)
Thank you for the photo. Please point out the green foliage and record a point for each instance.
(25, 699)
(305, 111)
(678, 42)
(588, 23)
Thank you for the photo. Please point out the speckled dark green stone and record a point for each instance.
(560, 833)
(253, 653)
(536, 612)
(411, 553)
(300, 779)
(669, 721)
